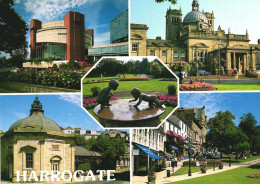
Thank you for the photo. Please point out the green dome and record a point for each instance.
(36, 119)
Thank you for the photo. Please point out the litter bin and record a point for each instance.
(175, 163)
(168, 173)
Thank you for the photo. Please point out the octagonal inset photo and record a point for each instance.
(130, 92)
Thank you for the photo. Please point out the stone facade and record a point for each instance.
(194, 39)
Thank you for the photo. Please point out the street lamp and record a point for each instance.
(219, 42)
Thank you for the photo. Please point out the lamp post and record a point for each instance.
(219, 42)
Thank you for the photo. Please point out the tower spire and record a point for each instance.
(36, 105)
(195, 5)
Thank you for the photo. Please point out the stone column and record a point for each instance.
(203, 56)
(244, 63)
(253, 61)
(234, 60)
(228, 62)
(15, 161)
(42, 156)
(239, 65)
(72, 158)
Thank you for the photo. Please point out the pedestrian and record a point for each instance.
(172, 165)
(175, 160)
(119, 76)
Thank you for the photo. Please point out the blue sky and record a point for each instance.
(98, 13)
(64, 109)
(238, 15)
(237, 103)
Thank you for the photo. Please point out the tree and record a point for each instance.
(256, 146)
(171, 1)
(18, 56)
(12, 28)
(155, 69)
(248, 126)
(111, 149)
(218, 125)
(80, 140)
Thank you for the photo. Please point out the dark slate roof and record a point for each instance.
(81, 151)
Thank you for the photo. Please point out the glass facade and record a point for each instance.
(111, 49)
(119, 28)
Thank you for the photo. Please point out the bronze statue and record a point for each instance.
(147, 98)
(105, 95)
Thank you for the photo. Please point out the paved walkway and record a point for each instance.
(233, 81)
(143, 76)
(161, 176)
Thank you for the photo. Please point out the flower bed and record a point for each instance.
(95, 81)
(63, 79)
(167, 79)
(228, 76)
(257, 175)
(171, 100)
(134, 79)
(92, 102)
(197, 86)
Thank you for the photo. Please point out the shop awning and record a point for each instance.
(182, 138)
(171, 133)
(149, 152)
(173, 147)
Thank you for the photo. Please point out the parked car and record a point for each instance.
(203, 72)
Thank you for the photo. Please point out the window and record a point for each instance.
(200, 26)
(28, 160)
(164, 53)
(152, 53)
(134, 47)
(183, 54)
(55, 168)
(55, 147)
(175, 54)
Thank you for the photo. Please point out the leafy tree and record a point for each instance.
(256, 146)
(155, 69)
(171, 1)
(12, 28)
(18, 56)
(218, 125)
(80, 141)
(111, 149)
(248, 126)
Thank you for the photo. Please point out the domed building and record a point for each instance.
(36, 143)
(193, 39)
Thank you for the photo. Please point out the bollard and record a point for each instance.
(168, 173)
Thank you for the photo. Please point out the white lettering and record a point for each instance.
(101, 174)
(91, 175)
(75, 175)
(18, 175)
(110, 174)
(63, 175)
(55, 175)
(33, 176)
(42, 175)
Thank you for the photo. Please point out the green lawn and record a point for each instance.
(236, 176)
(153, 85)
(109, 78)
(234, 160)
(184, 170)
(237, 86)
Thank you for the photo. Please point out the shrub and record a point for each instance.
(172, 89)
(95, 90)
(197, 86)
(203, 168)
(155, 69)
(55, 68)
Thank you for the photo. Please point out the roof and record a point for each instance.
(81, 151)
(36, 119)
(139, 26)
(195, 16)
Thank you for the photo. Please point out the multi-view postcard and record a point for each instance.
(130, 91)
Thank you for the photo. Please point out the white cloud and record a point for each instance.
(72, 98)
(121, 4)
(48, 10)
(211, 101)
(20, 115)
(103, 38)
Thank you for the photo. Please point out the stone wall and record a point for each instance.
(32, 88)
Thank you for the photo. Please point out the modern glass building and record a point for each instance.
(119, 28)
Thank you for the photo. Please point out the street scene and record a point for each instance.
(198, 144)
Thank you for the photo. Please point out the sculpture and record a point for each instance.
(105, 95)
(137, 94)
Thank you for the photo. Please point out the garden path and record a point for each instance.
(143, 76)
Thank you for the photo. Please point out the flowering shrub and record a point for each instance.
(227, 76)
(168, 80)
(168, 98)
(134, 79)
(197, 86)
(63, 79)
(95, 81)
(92, 102)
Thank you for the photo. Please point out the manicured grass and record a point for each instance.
(153, 85)
(240, 160)
(184, 170)
(237, 86)
(236, 176)
(109, 78)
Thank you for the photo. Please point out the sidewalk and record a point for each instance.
(209, 172)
